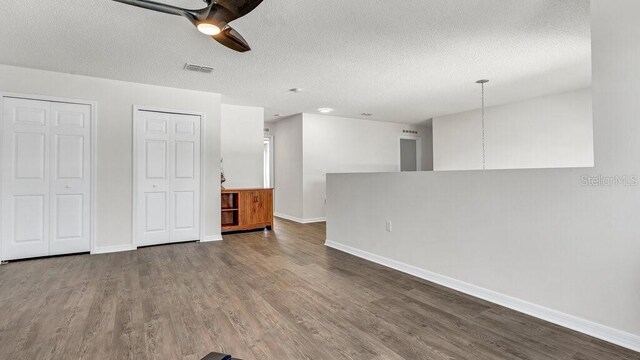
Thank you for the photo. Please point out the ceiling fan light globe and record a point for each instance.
(208, 29)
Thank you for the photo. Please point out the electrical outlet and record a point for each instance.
(389, 228)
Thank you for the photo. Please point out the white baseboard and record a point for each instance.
(289, 217)
(314, 220)
(211, 238)
(590, 328)
(299, 220)
(112, 249)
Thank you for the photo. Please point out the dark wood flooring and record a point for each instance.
(278, 295)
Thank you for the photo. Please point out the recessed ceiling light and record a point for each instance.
(366, 114)
(325, 110)
(208, 29)
(295, 90)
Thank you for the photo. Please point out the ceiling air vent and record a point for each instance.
(198, 68)
(410, 132)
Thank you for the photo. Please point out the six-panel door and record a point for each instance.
(70, 178)
(168, 178)
(46, 178)
(185, 178)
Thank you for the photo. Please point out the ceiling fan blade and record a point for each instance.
(163, 8)
(232, 39)
(239, 8)
(218, 13)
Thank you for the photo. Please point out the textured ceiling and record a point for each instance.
(403, 61)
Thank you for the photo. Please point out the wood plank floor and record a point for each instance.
(277, 295)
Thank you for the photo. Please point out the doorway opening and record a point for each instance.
(410, 154)
(268, 162)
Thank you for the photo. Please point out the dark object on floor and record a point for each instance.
(218, 356)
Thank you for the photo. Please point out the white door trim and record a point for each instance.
(418, 140)
(94, 151)
(272, 174)
(136, 109)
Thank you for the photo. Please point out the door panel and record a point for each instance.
(266, 198)
(70, 118)
(184, 215)
(253, 208)
(256, 207)
(69, 217)
(156, 159)
(70, 162)
(185, 126)
(25, 178)
(264, 207)
(247, 203)
(29, 156)
(156, 123)
(71, 178)
(152, 194)
(28, 112)
(185, 158)
(28, 219)
(185, 177)
(156, 212)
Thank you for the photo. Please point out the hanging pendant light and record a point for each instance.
(484, 162)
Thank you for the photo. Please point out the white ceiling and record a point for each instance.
(403, 61)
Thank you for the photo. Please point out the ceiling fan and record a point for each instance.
(212, 20)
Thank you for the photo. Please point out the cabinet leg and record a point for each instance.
(270, 227)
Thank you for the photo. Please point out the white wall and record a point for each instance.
(549, 132)
(540, 238)
(337, 145)
(242, 142)
(287, 135)
(115, 137)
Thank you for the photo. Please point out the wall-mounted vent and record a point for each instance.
(198, 68)
(410, 132)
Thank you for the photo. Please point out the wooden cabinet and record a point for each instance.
(247, 209)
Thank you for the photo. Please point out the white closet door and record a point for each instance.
(185, 178)
(25, 178)
(70, 178)
(168, 178)
(152, 194)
